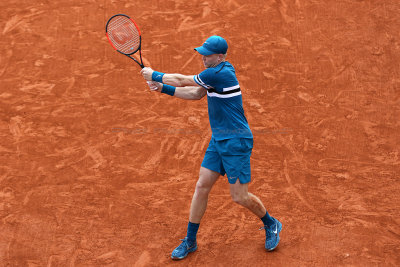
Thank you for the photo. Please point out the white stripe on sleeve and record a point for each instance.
(199, 81)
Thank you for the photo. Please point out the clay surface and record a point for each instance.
(96, 170)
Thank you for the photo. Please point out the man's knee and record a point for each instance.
(240, 199)
(202, 187)
(206, 181)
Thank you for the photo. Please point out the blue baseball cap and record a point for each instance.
(213, 45)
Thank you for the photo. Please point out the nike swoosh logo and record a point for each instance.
(276, 229)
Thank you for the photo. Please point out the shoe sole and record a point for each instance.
(181, 258)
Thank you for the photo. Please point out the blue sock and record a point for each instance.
(192, 231)
(267, 220)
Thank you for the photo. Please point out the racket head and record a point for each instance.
(123, 34)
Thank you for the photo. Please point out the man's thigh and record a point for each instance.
(235, 154)
(238, 190)
(212, 159)
(237, 167)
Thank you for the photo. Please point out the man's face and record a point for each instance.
(212, 60)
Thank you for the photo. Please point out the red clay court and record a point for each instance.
(98, 171)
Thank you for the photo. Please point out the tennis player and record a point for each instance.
(231, 141)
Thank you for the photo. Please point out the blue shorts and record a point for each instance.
(230, 156)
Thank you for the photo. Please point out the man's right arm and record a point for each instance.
(174, 79)
(179, 80)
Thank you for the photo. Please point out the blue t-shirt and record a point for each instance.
(225, 106)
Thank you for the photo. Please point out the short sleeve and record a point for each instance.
(205, 79)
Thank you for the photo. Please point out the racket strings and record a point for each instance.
(123, 34)
(130, 40)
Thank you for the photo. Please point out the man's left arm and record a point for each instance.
(187, 92)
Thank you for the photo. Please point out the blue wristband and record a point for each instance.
(157, 76)
(168, 89)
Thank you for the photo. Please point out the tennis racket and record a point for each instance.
(124, 35)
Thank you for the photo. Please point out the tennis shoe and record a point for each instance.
(272, 235)
(183, 249)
